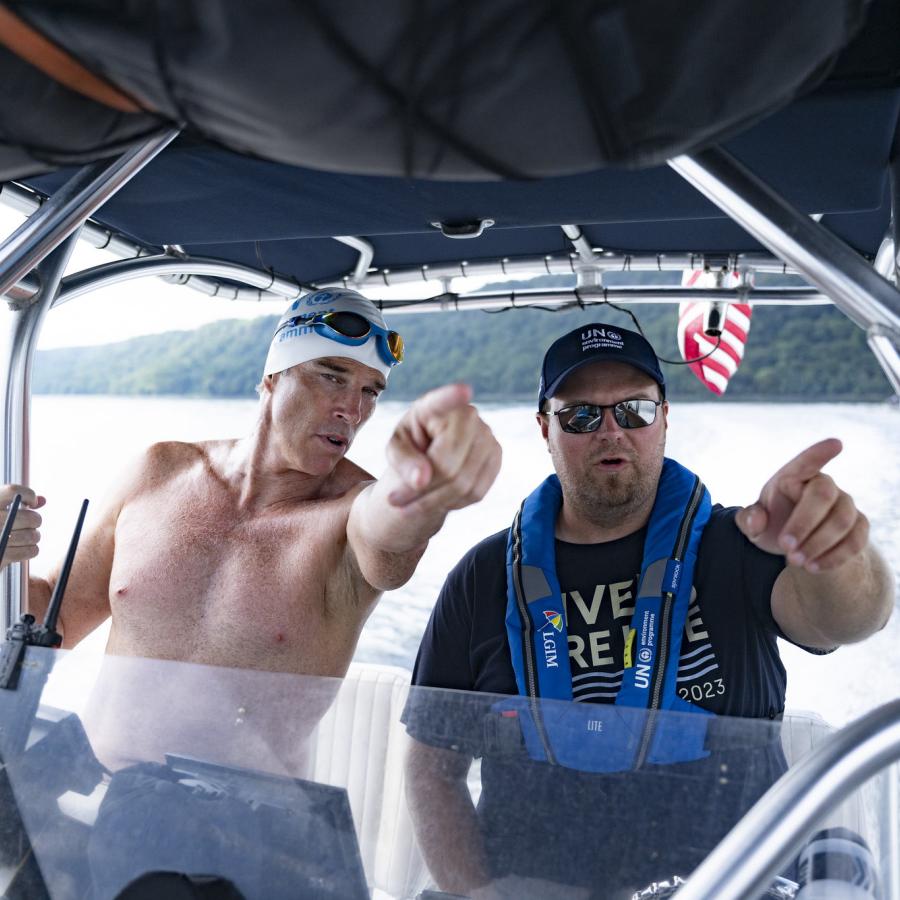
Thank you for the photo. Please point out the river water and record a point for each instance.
(80, 443)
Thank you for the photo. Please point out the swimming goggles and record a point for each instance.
(352, 329)
(583, 418)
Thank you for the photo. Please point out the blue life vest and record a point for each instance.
(624, 735)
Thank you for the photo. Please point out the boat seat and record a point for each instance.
(361, 745)
(864, 809)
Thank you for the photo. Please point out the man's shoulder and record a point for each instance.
(165, 464)
(720, 534)
(490, 552)
(167, 458)
(156, 467)
(173, 451)
(348, 478)
(722, 527)
(721, 518)
(491, 547)
(726, 553)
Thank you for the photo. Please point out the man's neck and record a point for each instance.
(575, 528)
(262, 479)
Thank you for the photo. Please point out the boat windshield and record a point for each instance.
(298, 786)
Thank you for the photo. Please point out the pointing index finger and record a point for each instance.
(812, 460)
(443, 399)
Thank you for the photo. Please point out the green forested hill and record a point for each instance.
(811, 353)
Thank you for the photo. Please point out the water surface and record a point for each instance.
(80, 444)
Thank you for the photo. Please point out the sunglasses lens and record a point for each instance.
(584, 418)
(580, 419)
(348, 324)
(635, 413)
(395, 345)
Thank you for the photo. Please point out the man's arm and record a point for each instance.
(444, 817)
(86, 602)
(836, 588)
(441, 457)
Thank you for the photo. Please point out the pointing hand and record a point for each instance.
(444, 455)
(802, 514)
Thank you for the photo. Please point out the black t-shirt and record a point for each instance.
(729, 665)
(729, 658)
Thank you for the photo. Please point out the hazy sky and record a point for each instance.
(142, 306)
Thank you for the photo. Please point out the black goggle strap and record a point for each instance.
(391, 339)
(326, 319)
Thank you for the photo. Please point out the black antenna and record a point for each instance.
(50, 620)
(8, 524)
(24, 633)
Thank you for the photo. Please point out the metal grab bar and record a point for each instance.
(861, 292)
(751, 854)
(266, 286)
(824, 259)
(24, 326)
(44, 242)
(63, 213)
(173, 267)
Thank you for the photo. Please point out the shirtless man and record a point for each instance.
(270, 552)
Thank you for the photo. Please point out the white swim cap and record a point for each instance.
(294, 345)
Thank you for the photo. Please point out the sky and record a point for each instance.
(140, 306)
(146, 305)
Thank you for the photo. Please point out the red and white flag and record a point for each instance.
(693, 317)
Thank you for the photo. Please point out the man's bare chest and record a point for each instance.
(194, 579)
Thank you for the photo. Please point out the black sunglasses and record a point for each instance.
(582, 418)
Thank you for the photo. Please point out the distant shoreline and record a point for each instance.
(792, 355)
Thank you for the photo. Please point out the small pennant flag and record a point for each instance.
(716, 370)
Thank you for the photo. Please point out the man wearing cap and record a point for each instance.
(619, 583)
(270, 551)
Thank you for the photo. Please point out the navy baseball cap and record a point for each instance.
(596, 343)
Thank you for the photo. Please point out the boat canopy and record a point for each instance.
(311, 145)
(215, 203)
(421, 88)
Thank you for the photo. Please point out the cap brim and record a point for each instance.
(552, 388)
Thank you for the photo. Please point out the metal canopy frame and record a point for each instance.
(585, 265)
(31, 276)
(751, 854)
(40, 248)
(799, 245)
(33, 259)
(825, 260)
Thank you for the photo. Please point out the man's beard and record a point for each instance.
(606, 499)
